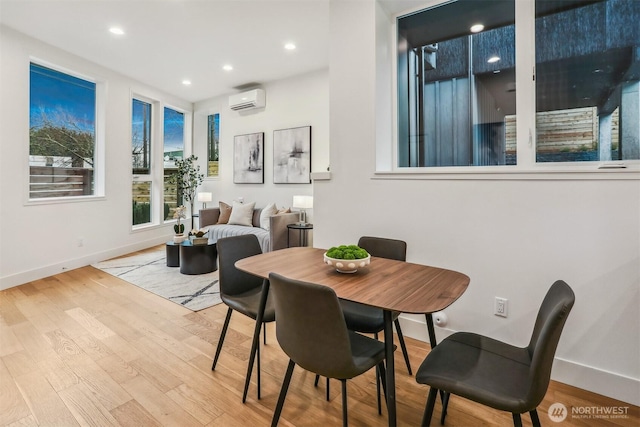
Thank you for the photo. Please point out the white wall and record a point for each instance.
(40, 240)
(513, 237)
(294, 102)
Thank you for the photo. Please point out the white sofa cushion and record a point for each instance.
(268, 211)
(242, 214)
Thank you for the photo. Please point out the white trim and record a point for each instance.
(23, 277)
(603, 382)
(507, 173)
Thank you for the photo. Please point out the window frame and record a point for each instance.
(186, 151)
(156, 170)
(155, 159)
(99, 142)
(526, 168)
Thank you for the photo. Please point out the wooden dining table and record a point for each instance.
(394, 286)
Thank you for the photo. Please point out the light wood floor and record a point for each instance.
(86, 348)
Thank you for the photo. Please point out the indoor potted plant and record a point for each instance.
(178, 227)
(187, 178)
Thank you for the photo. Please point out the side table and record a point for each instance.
(173, 254)
(198, 259)
(303, 230)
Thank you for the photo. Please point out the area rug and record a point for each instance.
(148, 270)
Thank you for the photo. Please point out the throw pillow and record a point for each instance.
(225, 213)
(284, 211)
(242, 214)
(267, 212)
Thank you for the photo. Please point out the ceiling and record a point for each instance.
(168, 41)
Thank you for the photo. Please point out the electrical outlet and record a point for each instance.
(501, 307)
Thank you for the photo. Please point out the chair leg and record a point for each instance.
(534, 418)
(428, 409)
(345, 423)
(403, 346)
(283, 393)
(221, 340)
(378, 390)
(255, 342)
(315, 384)
(264, 333)
(327, 388)
(517, 420)
(445, 404)
(383, 379)
(258, 356)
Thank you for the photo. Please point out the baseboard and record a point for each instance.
(17, 279)
(596, 380)
(589, 378)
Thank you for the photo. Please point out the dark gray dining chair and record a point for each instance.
(367, 319)
(311, 330)
(241, 292)
(497, 374)
(370, 320)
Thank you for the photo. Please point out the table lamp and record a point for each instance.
(204, 198)
(302, 203)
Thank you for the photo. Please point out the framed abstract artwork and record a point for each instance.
(248, 158)
(292, 156)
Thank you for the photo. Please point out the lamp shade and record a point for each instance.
(205, 197)
(303, 202)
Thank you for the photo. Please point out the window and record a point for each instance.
(173, 150)
(141, 137)
(155, 149)
(213, 144)
(457, 84)
(587, 105)
(141, 161)
(62, 134)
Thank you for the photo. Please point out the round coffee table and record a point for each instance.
(198, 259)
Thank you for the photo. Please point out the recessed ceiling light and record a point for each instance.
(186, 82)
(116, 30)
(493, 59)
(227, 67)
(477, 28)
(290, 46)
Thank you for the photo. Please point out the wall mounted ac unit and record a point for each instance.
(247, 100)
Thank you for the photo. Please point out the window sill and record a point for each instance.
(515, 173)
(56, 200)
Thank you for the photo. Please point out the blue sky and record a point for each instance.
(173, 130)
(59, 94)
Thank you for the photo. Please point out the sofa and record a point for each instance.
(270, 240)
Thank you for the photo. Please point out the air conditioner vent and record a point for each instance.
(247, 100)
